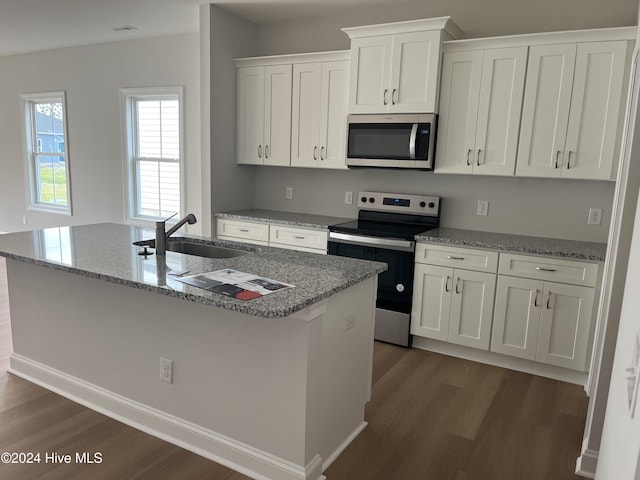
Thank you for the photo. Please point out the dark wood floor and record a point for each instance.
(432, 417)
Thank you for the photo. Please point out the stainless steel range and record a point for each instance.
(384, 231)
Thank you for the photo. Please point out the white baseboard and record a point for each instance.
(344, 445)
(226, 451)
(586, 464)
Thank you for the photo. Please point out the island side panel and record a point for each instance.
(243, 377)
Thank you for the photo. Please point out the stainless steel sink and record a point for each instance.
(198, 249)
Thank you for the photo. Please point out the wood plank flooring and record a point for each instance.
(431, 417)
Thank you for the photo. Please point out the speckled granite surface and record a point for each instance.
(304, 220)
(105, 251)
(516, 243)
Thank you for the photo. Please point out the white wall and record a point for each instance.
(92, 76)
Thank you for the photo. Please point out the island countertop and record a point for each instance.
(105, 251)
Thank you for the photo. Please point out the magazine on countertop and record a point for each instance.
(232, 283)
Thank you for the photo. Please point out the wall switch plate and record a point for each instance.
(348, 198)
(483, 208)
(288, 195)
(166, 370)
(25, 220)
(595, 216)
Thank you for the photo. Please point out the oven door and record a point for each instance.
(395, 285)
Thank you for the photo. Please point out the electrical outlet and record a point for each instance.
(595, 216)
(288, 195)
(166, 370)
(25, 220)
(348, 198)
(483, 208)
(349, 321)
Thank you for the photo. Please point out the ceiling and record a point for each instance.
(33, 25)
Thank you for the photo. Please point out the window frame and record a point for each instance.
(127, 98)
(31, 145)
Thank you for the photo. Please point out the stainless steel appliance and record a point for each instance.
(384, 231)
(392, 141)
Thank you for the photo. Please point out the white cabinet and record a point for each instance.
(480, 106)
(453, 304)
(395, 67)
(540, 319)
(264, 114)
(319, 114)
(243, 231)
(571, 110)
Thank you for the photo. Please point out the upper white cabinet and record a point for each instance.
(572, 109)
(480, 106)
(319, 114)
(264, 115)
(395, 67)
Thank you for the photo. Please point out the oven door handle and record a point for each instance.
(412, 141)
(387, 243)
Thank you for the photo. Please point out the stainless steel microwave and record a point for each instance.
(392, 141)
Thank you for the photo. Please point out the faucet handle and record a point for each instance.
(169, 218)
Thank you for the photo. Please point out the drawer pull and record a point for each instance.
(451, 257)
(244, 230)
(543, 269)
(298, 237)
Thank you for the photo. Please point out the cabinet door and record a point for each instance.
(499, 109)
(471, 308)
(545, 110)
(595, 110)
(370, 69)
(459, 95)
(277, 114)
(431, 301)
(415, 65)
(250, 115)
(565, 324)
(333, 114)
(305, 115)
(517, 317)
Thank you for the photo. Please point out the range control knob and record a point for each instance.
(431, 204)
(423, 204)
(371, 199)
(363, 199)
(400, 287)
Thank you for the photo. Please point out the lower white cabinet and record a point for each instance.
(542, 320)
(283, 236)
(241, 231)
(453, 305)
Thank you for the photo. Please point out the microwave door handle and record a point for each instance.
(412, 141)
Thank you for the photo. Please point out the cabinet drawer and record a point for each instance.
(245, 230)
(298, 237)
(466, 258)
(550, 269)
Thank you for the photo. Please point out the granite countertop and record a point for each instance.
(304, 220)
(516, 243)
(105, 251)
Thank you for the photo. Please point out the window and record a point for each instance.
(48, 164)
(153, 124)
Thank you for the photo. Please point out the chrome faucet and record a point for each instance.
(162, 236)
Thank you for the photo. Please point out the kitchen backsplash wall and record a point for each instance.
(526, 206)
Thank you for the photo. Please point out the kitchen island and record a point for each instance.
(273, 387)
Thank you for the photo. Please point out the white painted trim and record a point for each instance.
(499, 360)
(333, 56)
(545, 38)
(226, 451)
(327, 463)
(586, 464)
(437, 23)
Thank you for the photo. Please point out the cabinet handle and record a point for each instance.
(569, 159)
(543, 269)
(259, 151)
(266, 151)
(478, 159)
(446, 284)
(322, 156)
(298, 237)
(315, 152)
(244, 230)
(548, 300)
(468, 155)
(535, 299)
(393, 96)
(457, 285)
(451, 257)
(557, 157)
(384, 96)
